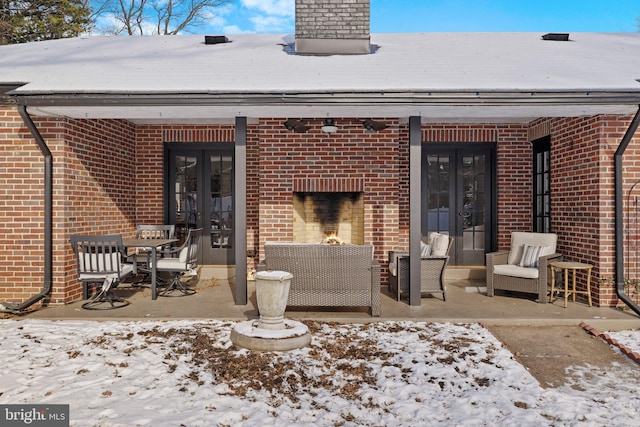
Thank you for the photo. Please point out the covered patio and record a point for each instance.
(466, 303)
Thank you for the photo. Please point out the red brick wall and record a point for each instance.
(94, 170)
(98, 170)
(21, 210)
(253, 195)
(576, 216)
(351, 153)
(515, 182)
(611, 132)
(582, 188)
(149, 175)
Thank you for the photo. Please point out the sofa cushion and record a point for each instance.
(515, 271)
(531, 255)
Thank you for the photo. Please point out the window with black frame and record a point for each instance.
(542, 185)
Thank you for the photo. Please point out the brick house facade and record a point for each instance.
(111, 124)
(108, 177)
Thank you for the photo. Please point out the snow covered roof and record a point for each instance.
(454, 76)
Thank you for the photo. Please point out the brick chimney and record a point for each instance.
(332, 27)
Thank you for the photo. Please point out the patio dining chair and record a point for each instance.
(142, 257)
(181, 261)
(99, 260)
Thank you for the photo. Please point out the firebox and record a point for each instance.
(317, 215)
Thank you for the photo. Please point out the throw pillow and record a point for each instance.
(425, 250)
(530, 255)
(440, 245)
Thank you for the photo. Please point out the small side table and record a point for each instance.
(573, 266)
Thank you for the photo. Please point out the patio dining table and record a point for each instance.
(153, 245)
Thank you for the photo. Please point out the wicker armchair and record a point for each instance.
(431, 272)
(505, 270)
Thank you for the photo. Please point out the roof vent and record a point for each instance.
(215, 39)
(559, 37)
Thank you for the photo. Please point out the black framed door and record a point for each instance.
(458, 198)
(200, 193)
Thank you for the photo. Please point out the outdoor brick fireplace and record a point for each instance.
(318, 215)
(297, 170)
(328, 207)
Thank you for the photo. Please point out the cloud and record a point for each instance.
(234, 29)
(265, 24)
(254, 16)
(271, 7)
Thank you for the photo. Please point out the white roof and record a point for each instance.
(454, 76)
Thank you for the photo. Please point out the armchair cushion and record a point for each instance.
(516, 271)
(125, 270)
(171, 264)
(531, 254)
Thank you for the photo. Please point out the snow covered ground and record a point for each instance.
(187, 373)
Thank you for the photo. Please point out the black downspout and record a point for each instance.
(48, 218)
(619, 277)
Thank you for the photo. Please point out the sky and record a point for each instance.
(393, 16)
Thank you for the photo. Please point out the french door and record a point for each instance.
(200, 193)
(458, 198)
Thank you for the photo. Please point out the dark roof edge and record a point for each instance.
(336, 98)
(5, 90)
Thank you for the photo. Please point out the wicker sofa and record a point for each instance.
(327, 275)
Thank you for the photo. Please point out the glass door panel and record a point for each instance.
(221, 194)
(199, 181)
(473, 210)
(186, 188)
(457, 198)
(438, 188)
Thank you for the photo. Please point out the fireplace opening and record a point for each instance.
(318, 215)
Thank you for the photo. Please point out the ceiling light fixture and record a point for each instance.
(296, 125)
(329, 126)
(373, 126)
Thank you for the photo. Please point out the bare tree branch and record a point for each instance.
(158, 16)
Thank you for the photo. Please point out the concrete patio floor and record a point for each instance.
(466, 302)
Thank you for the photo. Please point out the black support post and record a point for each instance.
(415, 208)
(240, 213)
